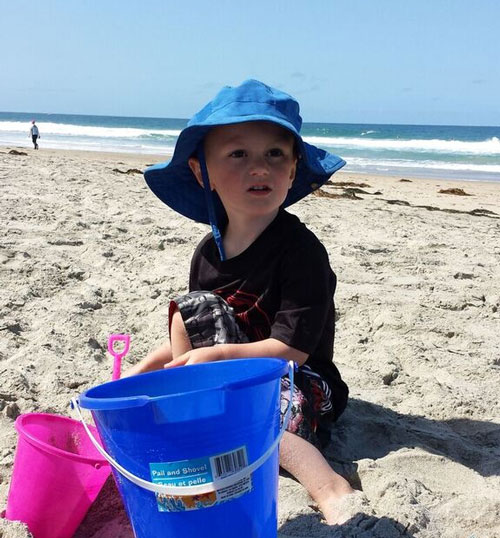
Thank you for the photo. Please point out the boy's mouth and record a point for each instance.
(259, 188)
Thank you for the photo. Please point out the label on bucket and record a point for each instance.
(200, 471)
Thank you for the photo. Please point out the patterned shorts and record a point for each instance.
(209, 320)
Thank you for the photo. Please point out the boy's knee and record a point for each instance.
(176, 321)
(179, 338)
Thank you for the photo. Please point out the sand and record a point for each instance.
(86, 251)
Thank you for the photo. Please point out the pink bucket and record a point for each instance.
(57, 475)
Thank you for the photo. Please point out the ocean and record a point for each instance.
(433, 151)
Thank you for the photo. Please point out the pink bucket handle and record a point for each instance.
(118, 355)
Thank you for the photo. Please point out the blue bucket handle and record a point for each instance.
(202, 488)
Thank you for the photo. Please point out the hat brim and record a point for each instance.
(174, 183)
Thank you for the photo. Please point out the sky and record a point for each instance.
(346, 61)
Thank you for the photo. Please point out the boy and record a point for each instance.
(262, 287)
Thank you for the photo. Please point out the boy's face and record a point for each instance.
(251, 166)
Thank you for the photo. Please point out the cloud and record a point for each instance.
(306, 83)
(478, 81)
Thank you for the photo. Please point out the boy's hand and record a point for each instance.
(196, 356)
(156, 360)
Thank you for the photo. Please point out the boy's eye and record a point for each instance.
(275, 152)
(238, 153)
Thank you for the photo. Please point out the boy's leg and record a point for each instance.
(202, 319)
(306, 463)
(210, 321)
(297, 456)
(311, 411)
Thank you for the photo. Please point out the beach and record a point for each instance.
(87, 250)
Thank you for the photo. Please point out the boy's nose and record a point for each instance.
(258, 166)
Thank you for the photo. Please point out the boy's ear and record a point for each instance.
(194, 164)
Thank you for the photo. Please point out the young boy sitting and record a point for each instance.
(263, 287)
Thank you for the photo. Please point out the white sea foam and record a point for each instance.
(490, 146)
(486, 147)
(362, 153)
(64, 129)
(435, 165)
(118, 145)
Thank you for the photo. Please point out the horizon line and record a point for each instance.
(304, 122)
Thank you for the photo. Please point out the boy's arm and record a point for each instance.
(156, 360)
(264, 348)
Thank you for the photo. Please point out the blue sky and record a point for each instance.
(359, 61)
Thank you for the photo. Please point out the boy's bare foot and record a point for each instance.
(339, 510)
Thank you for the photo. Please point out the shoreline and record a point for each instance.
(154, 158)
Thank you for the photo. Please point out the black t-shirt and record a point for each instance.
(280, 287)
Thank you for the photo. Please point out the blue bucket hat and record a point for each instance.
(175, 184)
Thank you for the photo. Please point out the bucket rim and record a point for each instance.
(21, 427)
(93, 403)
(88, 401)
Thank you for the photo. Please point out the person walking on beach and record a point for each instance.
(35, 134)
(261, 285)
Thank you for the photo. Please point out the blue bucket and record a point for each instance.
(194, 449)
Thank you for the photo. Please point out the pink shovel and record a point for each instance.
(118, 354)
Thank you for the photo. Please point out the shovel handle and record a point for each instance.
(118, 355)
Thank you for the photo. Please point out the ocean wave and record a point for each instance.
(91, 144)
(435, 165)
(487, 147)
(63, 129)
(491, 146)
